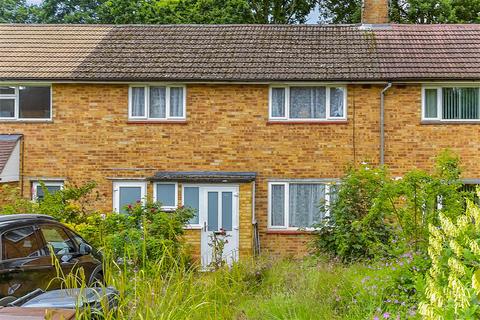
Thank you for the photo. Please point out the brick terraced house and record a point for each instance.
(247, 124)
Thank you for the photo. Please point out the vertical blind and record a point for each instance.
(460, 103)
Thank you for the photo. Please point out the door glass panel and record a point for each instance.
(213, 211)
(129, 196)
(191, 200)
(58, 239)
(20, 243)
(227, 211)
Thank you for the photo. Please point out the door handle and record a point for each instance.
(205, 226)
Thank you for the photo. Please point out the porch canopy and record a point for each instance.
(205, 176)
(9, 157)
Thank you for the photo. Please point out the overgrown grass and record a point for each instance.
(264, 289)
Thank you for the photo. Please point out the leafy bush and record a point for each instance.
(72, 204)
(375, 215)
(357, 226)
(146, 232)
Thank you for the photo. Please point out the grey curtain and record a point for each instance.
(305, 204)
(307, 102)
(138, 101)
(157, 102)
(278, 102)
(176, 102)
(278, 205)
(430, 103)
(336, 102)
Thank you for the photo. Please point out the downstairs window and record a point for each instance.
(294, 205)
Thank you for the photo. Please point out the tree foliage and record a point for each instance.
(405, 11)
(158, 11)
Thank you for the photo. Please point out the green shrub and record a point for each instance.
(358, 225)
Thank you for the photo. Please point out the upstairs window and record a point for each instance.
(25, 102)
(451, 103)
(313, 103)
(157, 102)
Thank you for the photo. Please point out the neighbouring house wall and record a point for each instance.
(410, 144)
(227, 129)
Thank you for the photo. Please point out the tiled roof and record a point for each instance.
(239, 52)
(7, 144)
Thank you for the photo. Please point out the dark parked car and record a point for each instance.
(26, 264)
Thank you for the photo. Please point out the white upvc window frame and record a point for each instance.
(127, 183)
(286, 184)
(147, 102)
(439, 88)
(287, 117)
(166, 208)
(36, 184)
(16, 97)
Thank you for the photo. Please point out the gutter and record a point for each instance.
(382, 123)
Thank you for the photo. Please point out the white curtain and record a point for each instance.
(278, 102)
(305, 200)
(336, 102)
(176, 102)
(157, 102)
(307, 102)
(138, 101)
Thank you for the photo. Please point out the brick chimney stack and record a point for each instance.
(375, 11)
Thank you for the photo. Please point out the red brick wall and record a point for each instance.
(227, 129)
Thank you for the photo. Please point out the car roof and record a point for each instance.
(7, 219)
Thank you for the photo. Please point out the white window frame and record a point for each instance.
(286, 219)
(439, 88)
(126, 183)
(36, 184)
(147, 102)
(166, 208)
(192, 225)
(16, 97)
(327, 118)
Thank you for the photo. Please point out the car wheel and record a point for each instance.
(97, 280)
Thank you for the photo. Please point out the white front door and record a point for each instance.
(219, 220)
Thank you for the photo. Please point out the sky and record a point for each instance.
(312, 17)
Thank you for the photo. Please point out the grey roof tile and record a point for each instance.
(239, 52)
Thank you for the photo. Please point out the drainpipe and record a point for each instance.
(382, 123)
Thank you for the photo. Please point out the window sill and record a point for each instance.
(193, 227)
(307, 122)
(289, 232)
(157, 122)
(26, 121)
(443, 122)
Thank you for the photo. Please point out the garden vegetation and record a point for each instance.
(388, 248)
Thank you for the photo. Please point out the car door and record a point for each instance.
(24, 266)
(67, 251)
(57, 241)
